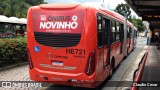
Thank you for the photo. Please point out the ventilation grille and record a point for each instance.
(57, 40)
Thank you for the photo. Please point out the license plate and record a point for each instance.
(57, 63)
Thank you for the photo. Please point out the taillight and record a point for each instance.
(90, 66)
(29, 60)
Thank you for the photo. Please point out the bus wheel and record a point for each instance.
(111, 69)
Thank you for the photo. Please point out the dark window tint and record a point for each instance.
(100, 33)
(106, 30)
(122, 32)
(128, 34)
(117, 31)
(113, 32)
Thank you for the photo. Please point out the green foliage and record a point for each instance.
(34, 2)
(12, 51)
(138, 23)
(123, 9)
(133, 21)
(17, 8)
(141, 26)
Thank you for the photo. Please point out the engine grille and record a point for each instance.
(57, 40)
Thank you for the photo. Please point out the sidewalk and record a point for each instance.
(151, 73)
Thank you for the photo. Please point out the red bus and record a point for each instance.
(75, 43)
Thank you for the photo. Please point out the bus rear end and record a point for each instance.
(56, 44)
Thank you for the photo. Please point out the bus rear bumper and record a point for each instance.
(76, 80)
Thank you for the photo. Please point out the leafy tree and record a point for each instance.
(138, 23)
(34, 2)
(17, 8)
(123, 9)
(5, 7)
(140, 26)
(133, 21)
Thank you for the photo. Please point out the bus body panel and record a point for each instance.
(73, 66)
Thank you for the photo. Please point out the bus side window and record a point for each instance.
(106, 28)
(128, 32)
(113, 32)
(122, 32)
(117, 31)
(100, 33)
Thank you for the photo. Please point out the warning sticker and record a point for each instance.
(36, 49)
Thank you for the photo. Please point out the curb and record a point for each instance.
(13, 66)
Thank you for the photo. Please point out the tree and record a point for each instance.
(34, 2)
(17, 8)
(133, 21)
(123, 9)
(5, 7)
(140, 26)
(138, 23)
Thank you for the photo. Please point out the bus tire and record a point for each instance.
(111, 70)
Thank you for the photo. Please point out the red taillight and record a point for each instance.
(29, 60)
(90, 66)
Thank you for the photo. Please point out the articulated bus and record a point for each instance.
(74, 43)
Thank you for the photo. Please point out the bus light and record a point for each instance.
(29, 60)
(90, 66)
